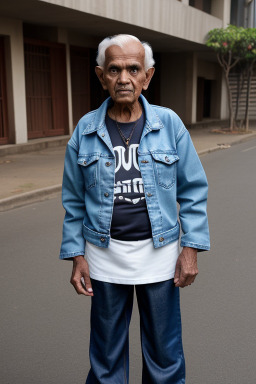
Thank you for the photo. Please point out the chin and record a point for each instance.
(124, 100)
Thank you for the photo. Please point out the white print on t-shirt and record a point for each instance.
(133, 201)
(132, 157)
(128, 186)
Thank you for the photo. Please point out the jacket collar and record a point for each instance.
(152, 122)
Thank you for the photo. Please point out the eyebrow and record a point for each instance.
(130, 66)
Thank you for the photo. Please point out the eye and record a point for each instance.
(134, 70)
(113, 70)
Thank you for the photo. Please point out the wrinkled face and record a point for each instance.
(124, 74)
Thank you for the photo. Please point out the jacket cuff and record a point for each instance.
(70, 255)
(200, 247)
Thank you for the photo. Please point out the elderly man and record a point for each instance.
(127, 165)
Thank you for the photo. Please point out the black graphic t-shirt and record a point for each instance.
(130, 219)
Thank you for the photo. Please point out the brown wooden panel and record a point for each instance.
(80, 80)
(59, 91)
(4, 138)
(46, 89)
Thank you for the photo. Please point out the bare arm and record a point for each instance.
(81, 270)
(186, 267)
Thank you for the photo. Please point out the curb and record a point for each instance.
(48, 192)
(34, 145)
(213, 149)
(228, 145)
(29, 197)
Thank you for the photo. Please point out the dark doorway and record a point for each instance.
(46, 88)
(204, 91)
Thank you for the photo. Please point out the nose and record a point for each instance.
(123, 77)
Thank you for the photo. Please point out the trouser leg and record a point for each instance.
(111, 310)
(163, 358)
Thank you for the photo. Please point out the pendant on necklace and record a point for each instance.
(127, 142)
(126, 152)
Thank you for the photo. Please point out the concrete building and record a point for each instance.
(243, 13)
(47, 59)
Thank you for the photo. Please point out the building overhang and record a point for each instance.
(169, 26)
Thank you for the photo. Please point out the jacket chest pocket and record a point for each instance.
(89, 166)
(165, 168)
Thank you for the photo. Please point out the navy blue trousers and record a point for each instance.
(160, 324)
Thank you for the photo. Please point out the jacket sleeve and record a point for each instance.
(192, 191)
(73, 242)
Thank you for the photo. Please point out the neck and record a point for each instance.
(125, 113)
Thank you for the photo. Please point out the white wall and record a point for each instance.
(16, 95)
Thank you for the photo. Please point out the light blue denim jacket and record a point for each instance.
(171, 173)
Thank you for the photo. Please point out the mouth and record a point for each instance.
(124, 90)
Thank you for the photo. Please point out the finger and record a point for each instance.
(177, 273)
(187, 280)
(77, 284)
(87, 284)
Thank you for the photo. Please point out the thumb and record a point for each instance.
(177, 272)
(87, 283)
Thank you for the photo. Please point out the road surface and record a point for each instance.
(45, 325)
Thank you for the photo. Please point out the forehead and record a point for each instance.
(132, 51)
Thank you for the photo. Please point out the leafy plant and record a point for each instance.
(235, 45)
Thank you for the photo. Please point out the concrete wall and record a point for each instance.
(179, 84)
(173, 82)
(170, 17)
(16, 95)
(224, 111)
(179, 74)
(221, 9)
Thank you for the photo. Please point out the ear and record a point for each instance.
(100, 74)
(149, 74)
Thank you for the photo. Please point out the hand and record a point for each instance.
(186, 267)
(81, 270)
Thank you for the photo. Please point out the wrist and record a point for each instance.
(189, 249)
(77, 259)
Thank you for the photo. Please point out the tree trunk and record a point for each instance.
(238, 93)
(230, 106)
(226, 65)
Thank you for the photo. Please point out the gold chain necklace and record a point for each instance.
(126, 140)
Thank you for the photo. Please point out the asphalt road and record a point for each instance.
(45, 325)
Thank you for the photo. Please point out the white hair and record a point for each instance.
(122, 40)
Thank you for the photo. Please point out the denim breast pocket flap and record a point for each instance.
(89, 168)
(87, 160)
(165, 168)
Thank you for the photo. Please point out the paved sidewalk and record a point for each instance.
(34, 176)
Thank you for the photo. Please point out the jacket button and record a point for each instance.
(144, 161)
(85, 162)
(106, 194)
(167, 159)
(108, 164)
(161, 239)
(149, 194)
(103, 134)
(102, 239)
